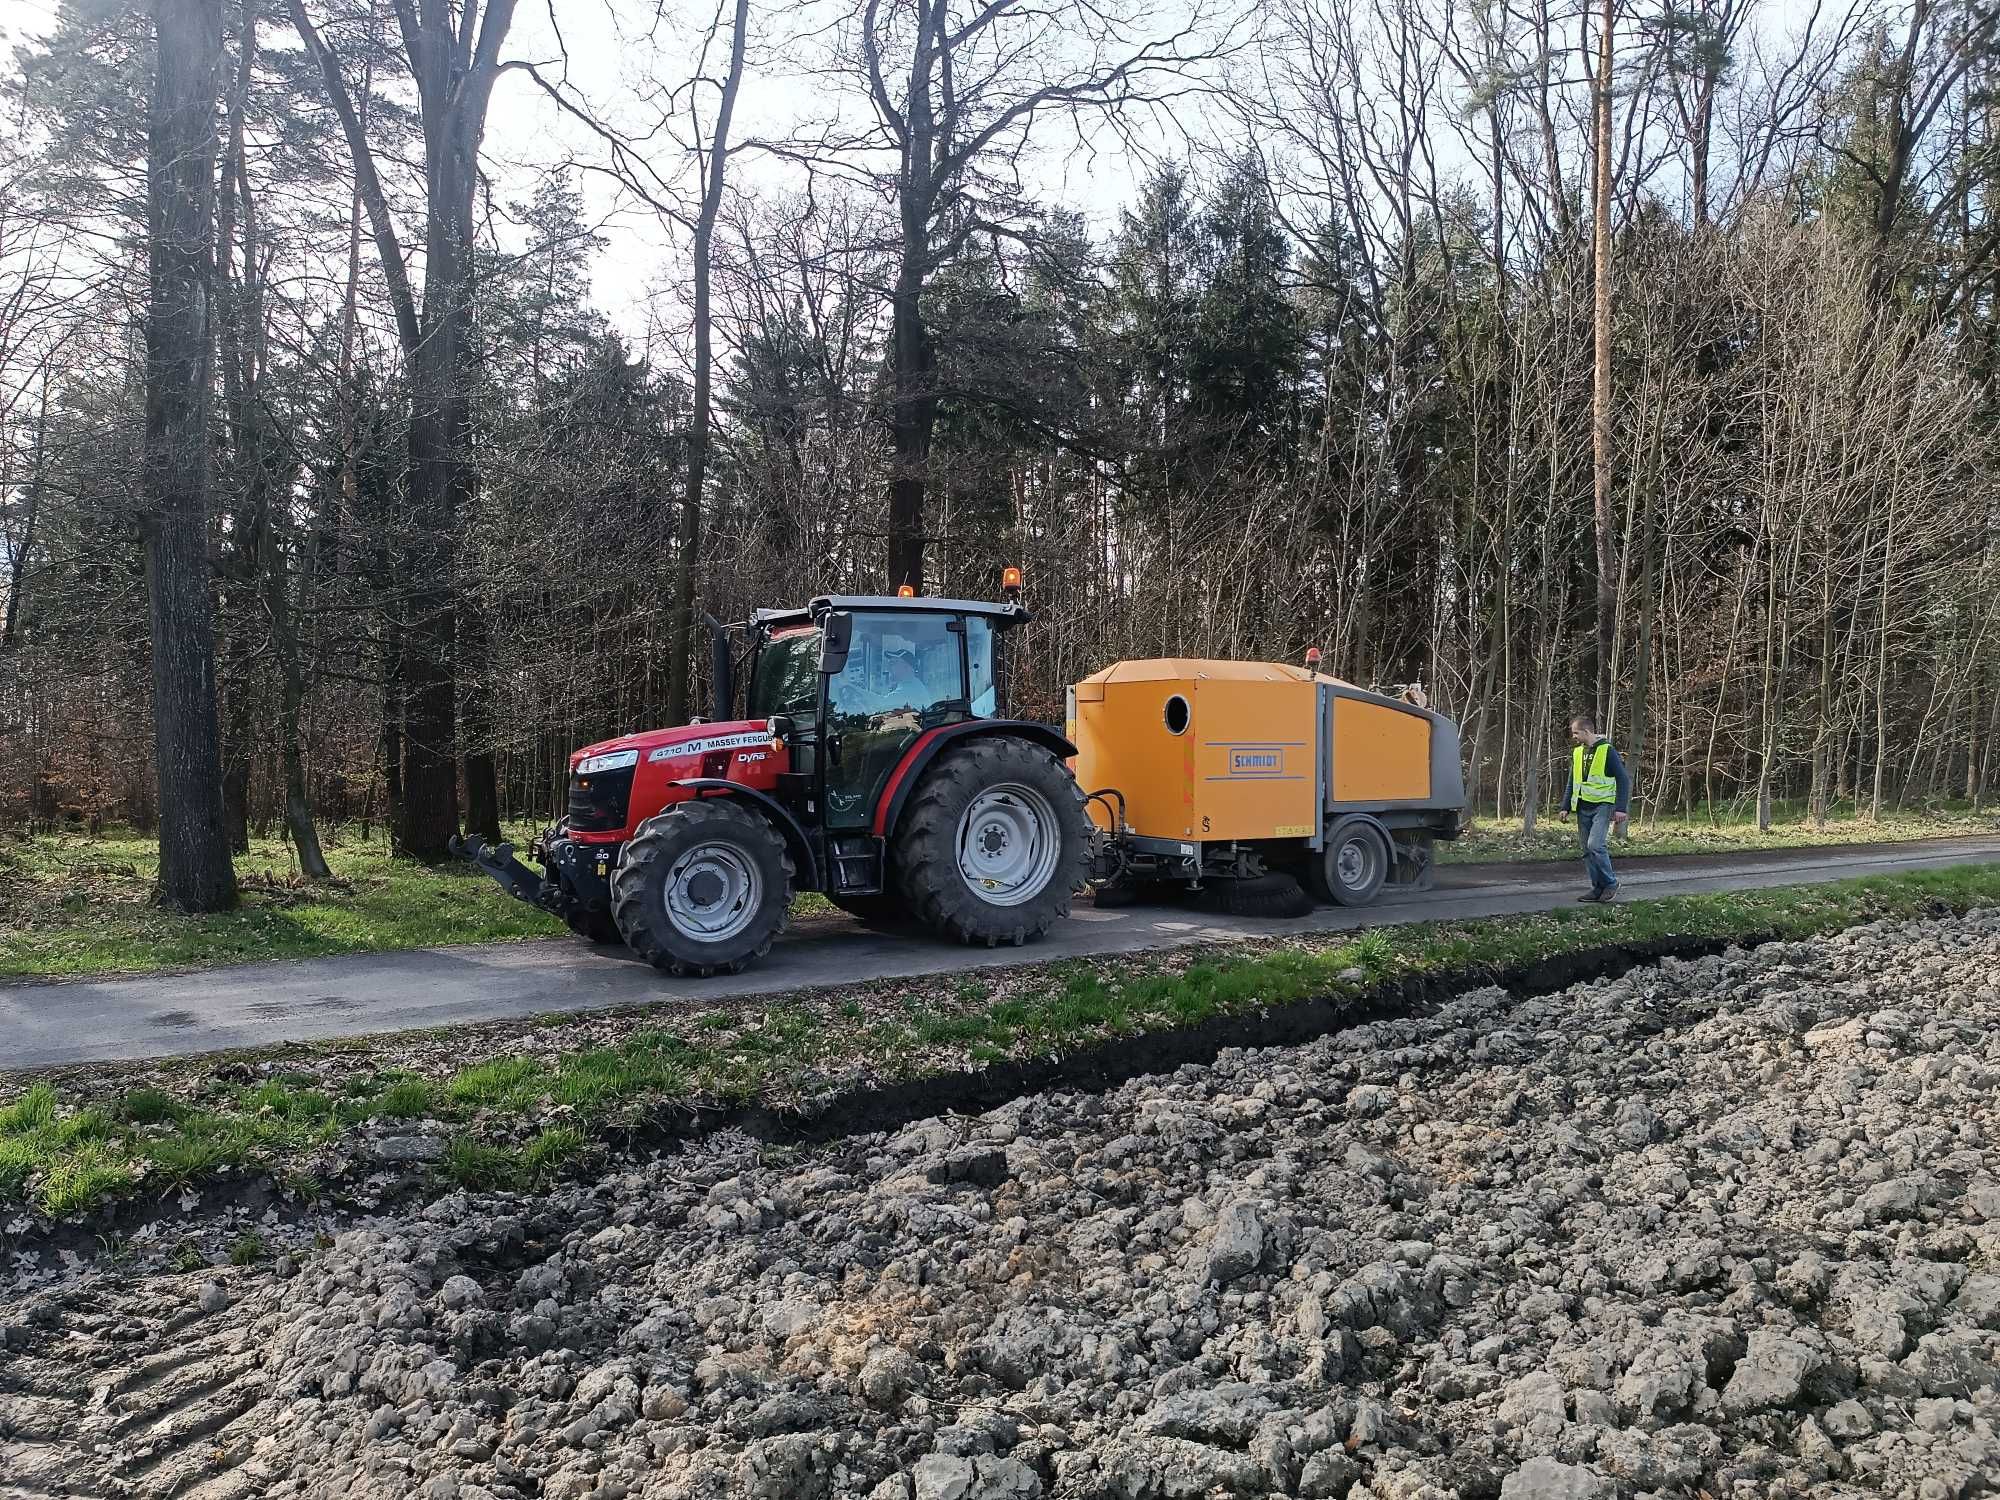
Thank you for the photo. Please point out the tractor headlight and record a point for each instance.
(616, 760)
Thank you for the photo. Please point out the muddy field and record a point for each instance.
(1727, 1227)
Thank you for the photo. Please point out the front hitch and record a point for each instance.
(497, 860)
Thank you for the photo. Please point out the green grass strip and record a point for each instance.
(518, 1120)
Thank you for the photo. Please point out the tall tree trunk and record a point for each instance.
(1642, 649)
(687, 564)
(1600, 424)
(392, 722)
(1882, 665)
(195, 871)
(1972, 735)
(440, 481)
(1822, 767)
(1727, 676)
(912, 358)
(291, 711)
(912, 419)
(1990, 751)
(21, 550)
(237, 735)
(1767, 713)
(454, 62)
(482, 783)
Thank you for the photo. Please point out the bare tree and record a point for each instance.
(957, 93)
(454, 60)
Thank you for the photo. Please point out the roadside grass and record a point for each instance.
(72, 906)
(520, 1117)
(1733, 830)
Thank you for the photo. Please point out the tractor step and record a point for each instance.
(857, 864)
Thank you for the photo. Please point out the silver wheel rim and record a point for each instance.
(1354, 863)
(1009, 844)
(713, 892)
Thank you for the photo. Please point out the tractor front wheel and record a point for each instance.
(994, 843)
(703, 888)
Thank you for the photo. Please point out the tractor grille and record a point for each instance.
(597, 803)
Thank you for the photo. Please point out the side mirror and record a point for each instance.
(835, 637)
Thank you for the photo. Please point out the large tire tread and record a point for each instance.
(632, 891)
(927, 872)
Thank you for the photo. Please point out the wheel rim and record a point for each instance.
(1009, 844)
(1354, 864)
(713, 892)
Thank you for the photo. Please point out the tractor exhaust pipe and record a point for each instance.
(497, 860)
(720, 672)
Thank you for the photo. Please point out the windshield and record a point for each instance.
(786, 677)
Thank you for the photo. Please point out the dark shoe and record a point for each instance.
(1591, 896)
(1608, 896)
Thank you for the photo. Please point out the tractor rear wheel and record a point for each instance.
(994, 843)
(1350, 870)
(703, 888)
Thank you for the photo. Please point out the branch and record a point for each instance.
(387, 246)
(621, 153)
(898, 126)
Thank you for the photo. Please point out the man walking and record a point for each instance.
(1600, 791)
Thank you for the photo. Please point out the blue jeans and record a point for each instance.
(1593, 833)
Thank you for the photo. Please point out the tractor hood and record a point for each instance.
(689, 741)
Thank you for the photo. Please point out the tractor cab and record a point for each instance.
(851, 683)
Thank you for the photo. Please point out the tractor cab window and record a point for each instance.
(905, 673)
(786, 677)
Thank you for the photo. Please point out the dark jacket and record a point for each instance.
(1614, 763)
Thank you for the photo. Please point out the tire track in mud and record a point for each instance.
(110, 1398)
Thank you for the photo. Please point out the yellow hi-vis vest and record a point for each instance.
(1598, 786)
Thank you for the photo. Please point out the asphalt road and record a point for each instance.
(43, 1025)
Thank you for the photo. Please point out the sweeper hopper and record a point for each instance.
(1252, 772)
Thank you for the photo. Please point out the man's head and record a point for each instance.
(1583, 728)
(901, 659)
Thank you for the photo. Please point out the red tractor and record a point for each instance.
(872, 764)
